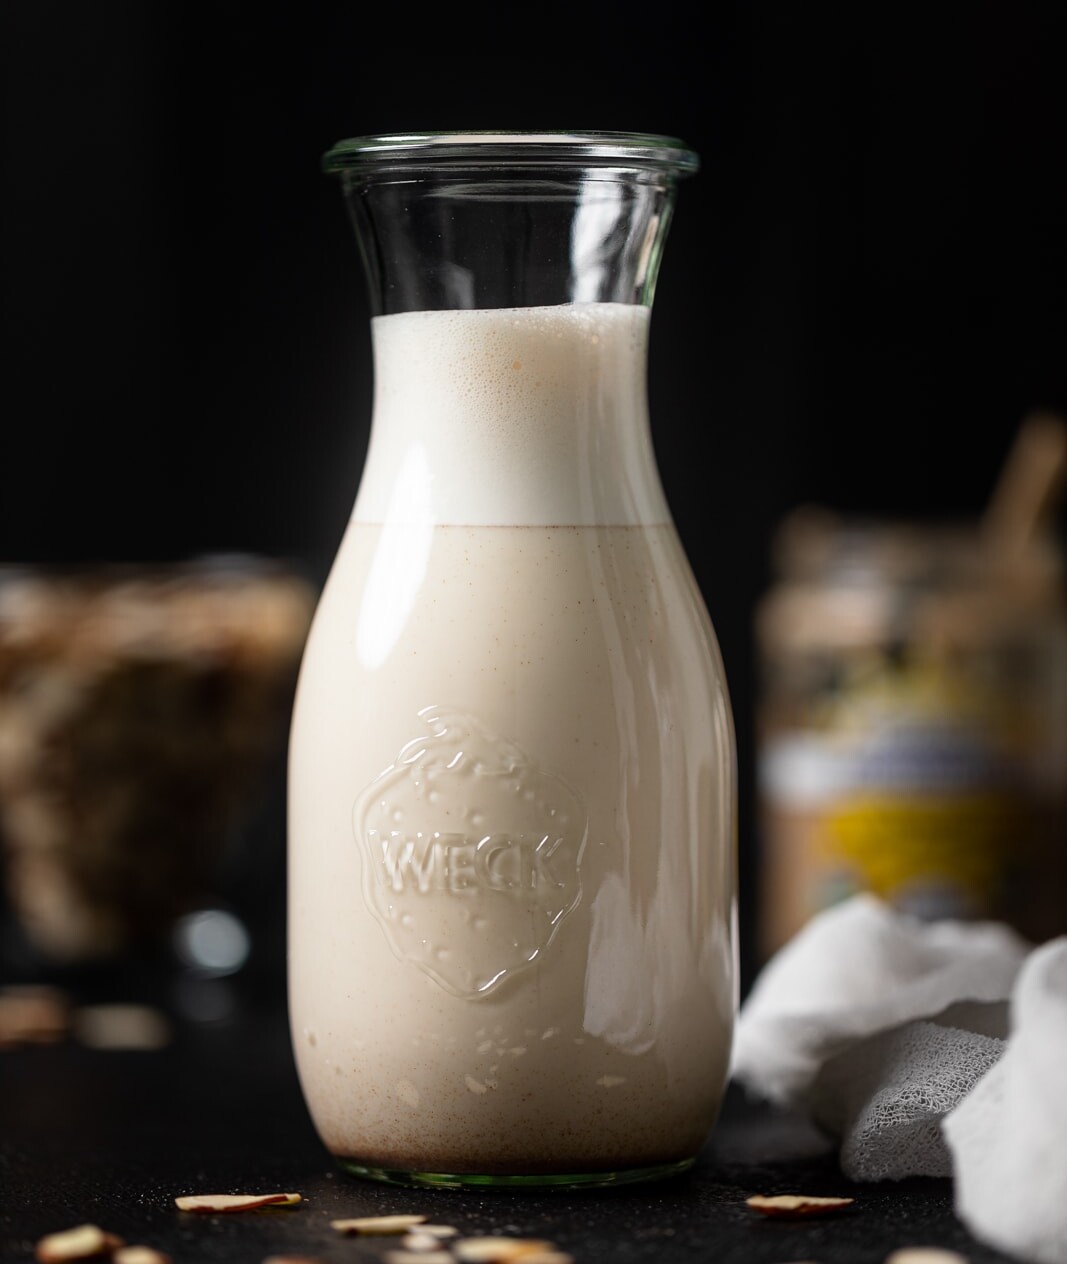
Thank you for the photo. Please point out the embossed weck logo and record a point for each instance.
(470, 854)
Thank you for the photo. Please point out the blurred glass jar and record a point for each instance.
(912, 725)
(138, 706)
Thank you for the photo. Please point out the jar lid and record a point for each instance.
(634, 150)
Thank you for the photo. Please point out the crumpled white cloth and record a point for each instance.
(885, 1098)
(876, 1025)
(1008, 1137)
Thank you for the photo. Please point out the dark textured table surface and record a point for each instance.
(111, 1137)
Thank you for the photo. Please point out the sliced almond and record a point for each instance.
(925, 1255)
(139, 1255)
(368, 1225)
(234, 1202)
(120, 1026)
(419, 1241)
(32, 1015)
(84, 1242)
(439, 1231)
(795, 1206)
(494, 1250)
(437, 1256)
(545, 1257)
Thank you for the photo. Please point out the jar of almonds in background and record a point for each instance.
(912, 720)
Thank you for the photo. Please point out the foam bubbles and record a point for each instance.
(524, 416)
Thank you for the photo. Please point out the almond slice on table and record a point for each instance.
(373, 1225)
(32, 1015)
(234, 1202)
(796, 1206)
(544, 1257)
(83, 1242)
(121, 1026)
(498, 1250)
(417, 1240)
(139, 1255)
(438, 1255)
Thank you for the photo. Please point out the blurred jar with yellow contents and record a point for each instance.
(912, 726)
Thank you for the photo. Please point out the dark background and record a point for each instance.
(864, 291)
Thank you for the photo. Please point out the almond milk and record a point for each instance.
(512, 799)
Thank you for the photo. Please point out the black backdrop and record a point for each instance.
(863, 292)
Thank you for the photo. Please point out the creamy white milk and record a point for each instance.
(512, 802)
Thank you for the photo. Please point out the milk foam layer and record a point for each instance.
(517, 416)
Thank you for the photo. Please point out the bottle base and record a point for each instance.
(539, 1180)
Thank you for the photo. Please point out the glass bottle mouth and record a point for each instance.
(442, 150)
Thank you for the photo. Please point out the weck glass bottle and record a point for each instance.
(512, 903)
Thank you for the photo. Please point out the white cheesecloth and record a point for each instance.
(876, 1025)
(1008, 1137)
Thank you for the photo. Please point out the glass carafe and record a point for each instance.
(512, 899)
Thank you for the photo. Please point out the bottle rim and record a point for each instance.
(642, 151)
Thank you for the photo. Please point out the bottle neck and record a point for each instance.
(462, 239)
(511, 285)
